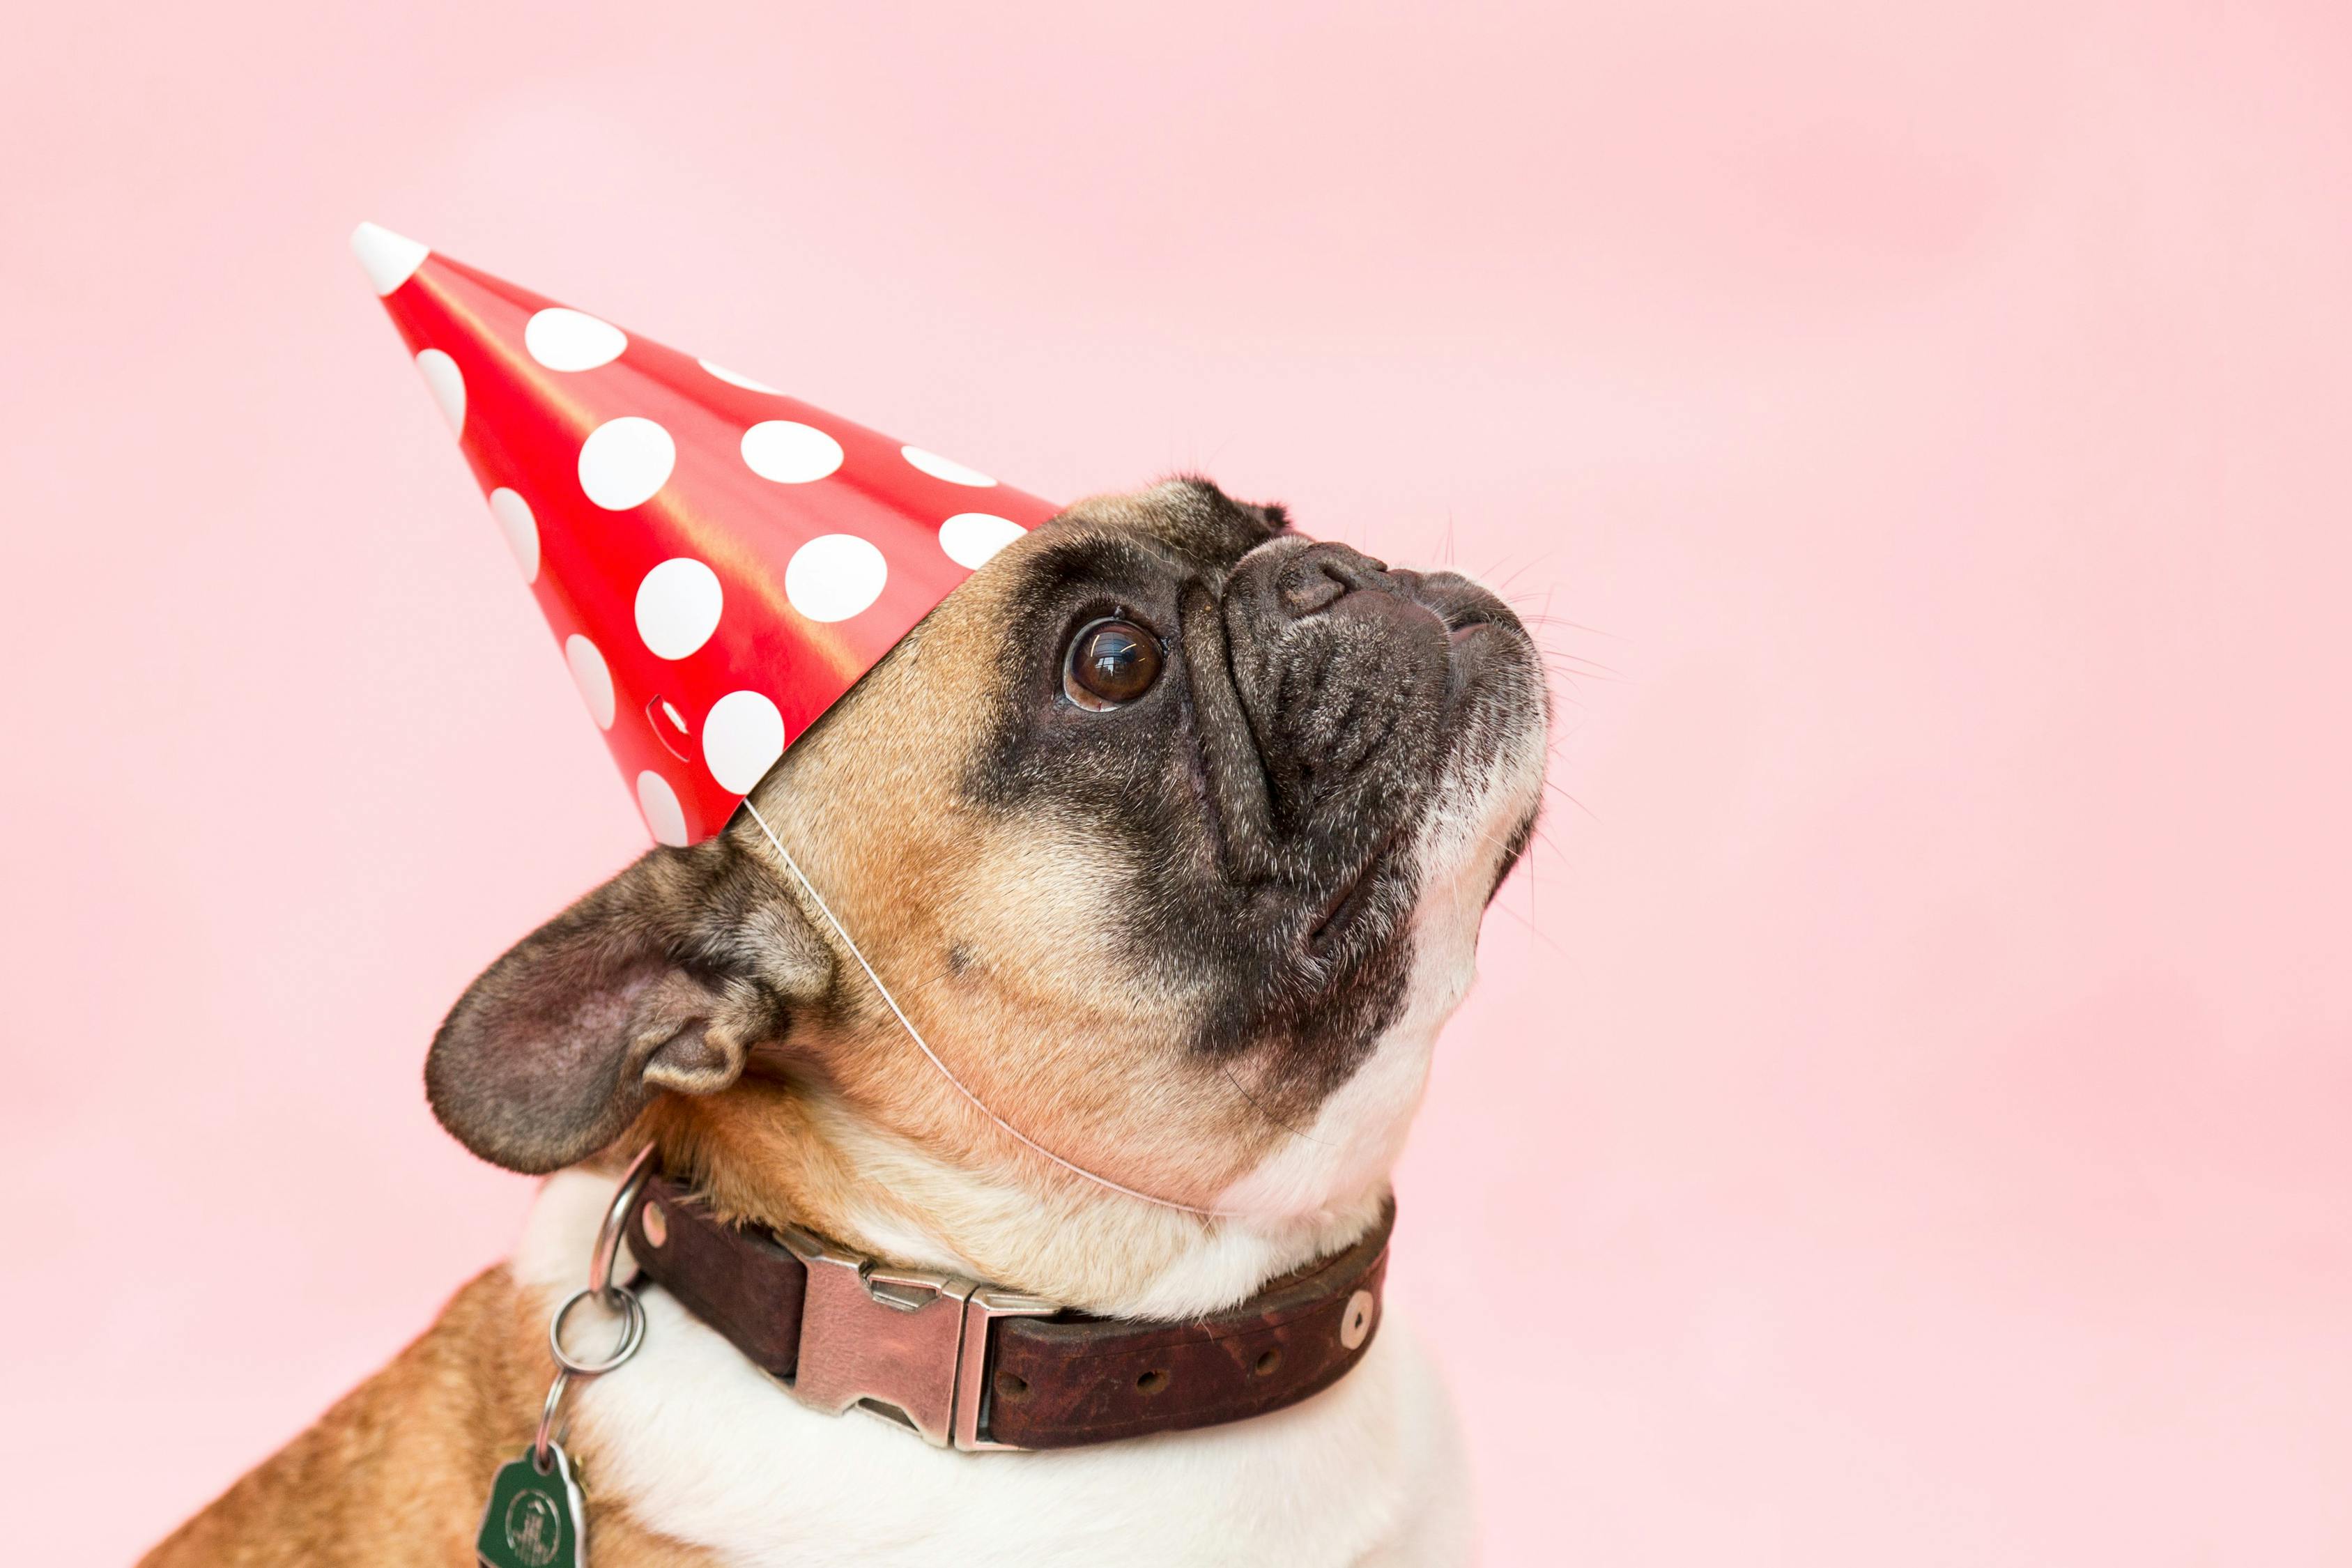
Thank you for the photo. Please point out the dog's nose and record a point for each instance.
(1318, 577)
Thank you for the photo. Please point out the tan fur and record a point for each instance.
(396, 1471)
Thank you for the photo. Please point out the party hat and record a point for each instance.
(720, 562)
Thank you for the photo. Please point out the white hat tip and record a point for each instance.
(389, 259)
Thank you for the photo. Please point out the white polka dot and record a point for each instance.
(732, 379)
(971, 538)
(663, 814)
(626, 462)
(522, 529)
(389, 259)
(590, 674)
(677, 606)
(743, 736)
(834, 576)
(789, 453)
(945, 468)
(448, 387)
(571, 339)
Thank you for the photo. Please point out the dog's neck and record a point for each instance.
(783, 1147)
(793, 1154)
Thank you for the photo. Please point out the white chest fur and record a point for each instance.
(700, 1446)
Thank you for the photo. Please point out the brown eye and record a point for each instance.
(1110, 662)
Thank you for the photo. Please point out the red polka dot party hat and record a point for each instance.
(718, 561)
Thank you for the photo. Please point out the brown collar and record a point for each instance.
(971, 1367)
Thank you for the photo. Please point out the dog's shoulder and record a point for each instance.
(394, 1471)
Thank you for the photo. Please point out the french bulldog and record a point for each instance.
(1092, 947)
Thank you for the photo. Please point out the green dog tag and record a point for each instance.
(534, 1520)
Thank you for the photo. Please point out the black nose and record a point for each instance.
(1318, 577)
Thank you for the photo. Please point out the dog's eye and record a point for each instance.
(1110, 662)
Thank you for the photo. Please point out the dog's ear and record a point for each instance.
(664, 978)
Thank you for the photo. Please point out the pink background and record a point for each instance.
(1903, 1118)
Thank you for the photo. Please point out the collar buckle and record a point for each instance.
(910, 1345)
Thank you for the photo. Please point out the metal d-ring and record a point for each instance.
(616, 1218)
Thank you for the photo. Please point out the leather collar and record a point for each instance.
(970, 1366)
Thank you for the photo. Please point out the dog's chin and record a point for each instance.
(1422, 903)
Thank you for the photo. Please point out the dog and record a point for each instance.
(1166, 837)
